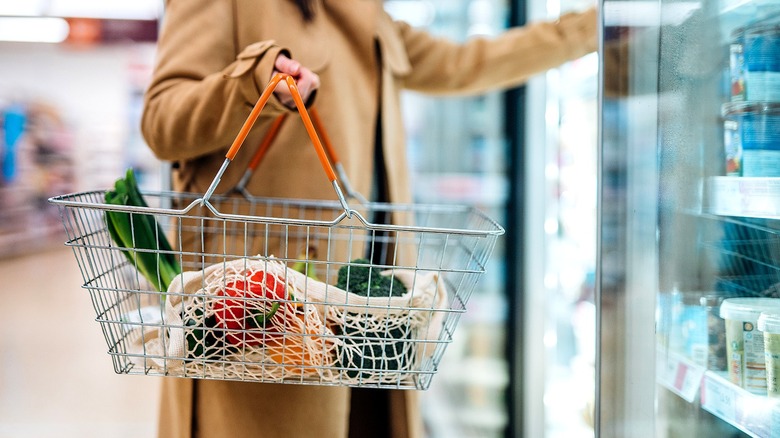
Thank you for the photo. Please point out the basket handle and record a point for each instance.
(315, 116)
(250, 121)
(269, 138)
(260, 153)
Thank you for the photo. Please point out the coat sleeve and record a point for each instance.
(482, 64)
(203, 86)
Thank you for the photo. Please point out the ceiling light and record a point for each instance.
(33, 29)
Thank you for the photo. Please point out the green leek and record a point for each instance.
(139, 236)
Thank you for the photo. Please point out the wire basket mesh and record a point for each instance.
(212, 323)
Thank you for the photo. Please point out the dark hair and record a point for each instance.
(307, 8)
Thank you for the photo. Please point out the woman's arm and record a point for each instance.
(203, 86)
(483, 64)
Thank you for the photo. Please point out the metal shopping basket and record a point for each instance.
(282, 290)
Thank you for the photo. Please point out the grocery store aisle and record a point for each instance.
(56, 378)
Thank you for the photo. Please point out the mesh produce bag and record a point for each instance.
(259, 320)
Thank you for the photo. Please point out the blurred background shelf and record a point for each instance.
(744, 196)
(750, 413)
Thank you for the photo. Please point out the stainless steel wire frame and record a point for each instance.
(451, 243)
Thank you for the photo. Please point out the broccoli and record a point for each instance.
(359, 278)
(378, 353)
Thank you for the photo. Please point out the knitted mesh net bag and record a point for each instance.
(259, 320)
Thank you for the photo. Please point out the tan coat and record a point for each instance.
(215, 57)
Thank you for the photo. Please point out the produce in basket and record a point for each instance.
(202, 339)
(320, 331)
(242, 317)
(141, 239)
(245, 305)
(383, 344)
(360, 278)
(304, 266)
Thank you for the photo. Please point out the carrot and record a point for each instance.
(297, 349)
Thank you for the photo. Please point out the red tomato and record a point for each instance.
(255, 303)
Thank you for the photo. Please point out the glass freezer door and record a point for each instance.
(688, 270)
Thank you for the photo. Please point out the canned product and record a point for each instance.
(761, 52)
(752, 138)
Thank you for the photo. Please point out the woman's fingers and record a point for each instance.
(286, 65)
(307, 83)
(306, 80)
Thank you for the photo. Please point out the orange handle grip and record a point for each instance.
(300, 106)
(315, 117)
(310, 129)
(267, 140)
(250, 121)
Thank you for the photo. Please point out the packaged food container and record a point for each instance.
(697, 331)
(688, 333)
(737, 66)
(769, 325)
(744, 342)
(761, 53)
(732, 145)
(752, 138)
(716, 332)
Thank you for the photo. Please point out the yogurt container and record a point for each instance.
(769, 325)
(745, 343)
(761, 58)
(752, 138)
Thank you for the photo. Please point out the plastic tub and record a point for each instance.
(761, 57)
(752, 138)
(769, 324)
(745, 343)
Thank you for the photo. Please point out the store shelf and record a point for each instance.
(745, 7)
(757, 416)
(679, 375)
(747, 197)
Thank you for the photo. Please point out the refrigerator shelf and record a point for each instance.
(679, 374)
(757, 197)
(747, 412)
(750, 413)
(744, 7)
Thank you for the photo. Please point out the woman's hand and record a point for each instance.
(307, 80)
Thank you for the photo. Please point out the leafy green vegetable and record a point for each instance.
(360, 278)
(381, 350)
(140, 237)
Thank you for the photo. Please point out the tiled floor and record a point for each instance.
(56, 379)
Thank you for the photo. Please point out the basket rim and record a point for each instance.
(491, 228)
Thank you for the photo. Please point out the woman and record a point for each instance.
(351, 60)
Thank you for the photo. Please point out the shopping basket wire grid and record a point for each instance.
(284, 290)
